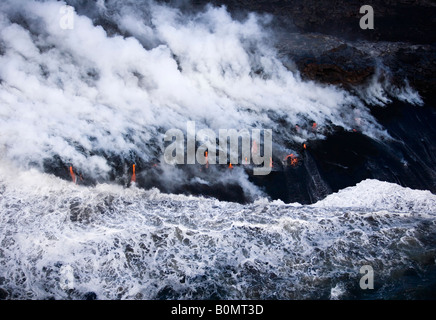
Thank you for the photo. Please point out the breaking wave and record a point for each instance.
(64, 241)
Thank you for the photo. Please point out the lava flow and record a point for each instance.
(73, 175)
(134, 174)
(292, 158)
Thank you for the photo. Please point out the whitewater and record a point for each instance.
(63, 241)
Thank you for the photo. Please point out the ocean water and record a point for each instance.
(63, 241)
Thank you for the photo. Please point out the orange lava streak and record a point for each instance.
(73, 175)
(134, 174)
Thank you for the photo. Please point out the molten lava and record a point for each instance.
(73, 175)
(292, 159)
(134, 174)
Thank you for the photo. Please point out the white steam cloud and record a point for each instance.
(81, 94)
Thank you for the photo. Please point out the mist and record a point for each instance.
(83, 96)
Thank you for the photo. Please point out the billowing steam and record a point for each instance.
(86, 95)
